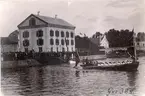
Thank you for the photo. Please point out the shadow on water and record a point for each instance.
(132, 77)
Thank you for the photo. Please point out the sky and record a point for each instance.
(89, 16)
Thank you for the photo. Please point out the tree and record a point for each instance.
(120, 38)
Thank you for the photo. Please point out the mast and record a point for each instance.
(134, 45)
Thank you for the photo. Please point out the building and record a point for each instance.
(140, 41)
(10, 43)
(85, 46)
(46, 34)
(97, 38)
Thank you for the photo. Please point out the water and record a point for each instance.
(64, 80)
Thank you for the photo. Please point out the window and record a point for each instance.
(40, 42)
(26, 49)
(26, 42)
(51, 49)
(57, 49)
(67, 48)
(51, 41)
(72, 42)
(63, 50)
(62, 34)
(57, 33)
(62, 42)
(51, 33)
(25, 34)
(67, 42)
(137, 43)
(57, 42)
(67, 34)
(72, 49)
(72, 34)
(39, 33)
(32, 22)
(40, 49)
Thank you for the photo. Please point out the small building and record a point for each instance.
(46, 34)
(140, 45)
(10, 43)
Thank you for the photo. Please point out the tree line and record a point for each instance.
(119, 38)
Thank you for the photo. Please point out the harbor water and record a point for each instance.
(64, 80)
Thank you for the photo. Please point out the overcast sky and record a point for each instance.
(88, 16)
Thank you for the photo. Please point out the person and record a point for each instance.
(77, 61)
(87, 61)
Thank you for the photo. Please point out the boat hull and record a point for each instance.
(124, 67)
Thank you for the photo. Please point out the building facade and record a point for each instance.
(46, 34)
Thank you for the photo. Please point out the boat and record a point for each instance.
(118, 66)
(128, 65)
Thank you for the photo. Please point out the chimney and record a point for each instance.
(38, 13)
(55, 16)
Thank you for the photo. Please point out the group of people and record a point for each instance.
(9, 56)
(85, 61)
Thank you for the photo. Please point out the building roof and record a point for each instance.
(55, 21)
(11, 39)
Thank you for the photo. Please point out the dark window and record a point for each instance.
(72, 34)
(62, 34)
(26, 49)
(40, 49)
(51, 41)
(72, 49)
(25, 34)
(51, 33)
(39, 33)
(51, 49)
(40, 42)
(72, 42)
(57, 42)
(67, 34)
(63, 50)
(137, 43)
(57, 49)
(67, 48)
(56, 33)
(26, 42)
(62, 42)
(67, 42)
(32, 22)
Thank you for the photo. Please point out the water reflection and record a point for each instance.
(67, 81)
(30, 81)
(77, 73)
(132, 77)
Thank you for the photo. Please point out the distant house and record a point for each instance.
(96, 38)
(46, 34)
(85, 46)
(10, 43)
(140, 44)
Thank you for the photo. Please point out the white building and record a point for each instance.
(46, 34)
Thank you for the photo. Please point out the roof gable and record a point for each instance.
(38, 21)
